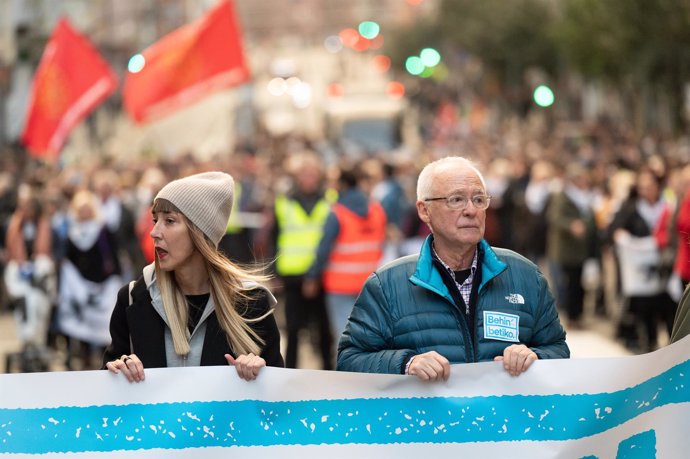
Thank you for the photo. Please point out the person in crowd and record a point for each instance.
(646, 299)
(237, 243)
(498, 215)
(90, 275)
(30, 277)
(299, 217)
(150, 183)
(681, 224)
(8, 203)
(349, 250)
(516, 214)
(537, 195)
(118, 218)
(193, 306)
(571, 240)
(459, 300)
(389, 192)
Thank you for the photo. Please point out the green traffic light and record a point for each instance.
(543, 96)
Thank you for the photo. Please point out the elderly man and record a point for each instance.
(459, 300)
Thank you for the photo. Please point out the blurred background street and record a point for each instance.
(577, 112)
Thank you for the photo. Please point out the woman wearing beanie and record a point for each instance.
(192, 306)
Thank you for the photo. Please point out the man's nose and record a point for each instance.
(469, 209)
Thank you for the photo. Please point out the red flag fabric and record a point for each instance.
(186, 65)
(71, 80)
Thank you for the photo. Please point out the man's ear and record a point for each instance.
(423, 212)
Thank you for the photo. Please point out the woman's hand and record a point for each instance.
(129, 365)
(247, 365)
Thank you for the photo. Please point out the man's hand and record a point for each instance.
(430, 366)
(517, 358)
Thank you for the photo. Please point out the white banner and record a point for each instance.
(630, 407)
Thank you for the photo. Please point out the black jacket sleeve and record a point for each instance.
(266, 328)
(119, 328)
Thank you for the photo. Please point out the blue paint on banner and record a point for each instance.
(352, 421)
(640, 446)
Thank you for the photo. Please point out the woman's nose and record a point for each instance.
(155, 233)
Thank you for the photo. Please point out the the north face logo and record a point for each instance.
(515, 298)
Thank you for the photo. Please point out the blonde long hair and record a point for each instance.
(228, 291)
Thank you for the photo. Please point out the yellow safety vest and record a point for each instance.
(299, 234)
(234, 226)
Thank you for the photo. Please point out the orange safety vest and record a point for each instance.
(357, 250)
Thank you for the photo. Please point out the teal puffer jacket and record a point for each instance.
(405, 309)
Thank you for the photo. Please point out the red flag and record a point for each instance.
(71, 80)
(187, 64)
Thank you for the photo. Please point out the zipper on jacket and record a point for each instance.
(476, 331)
(464, 328)
(470, 352)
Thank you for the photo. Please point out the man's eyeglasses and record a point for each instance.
(458, 201)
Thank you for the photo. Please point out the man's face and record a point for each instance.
(455, 228)
(308, 179)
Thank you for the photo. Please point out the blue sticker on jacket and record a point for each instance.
(501, 326)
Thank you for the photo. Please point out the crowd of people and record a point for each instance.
(605, 218)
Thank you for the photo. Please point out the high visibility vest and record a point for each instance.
(299, 234)
(234, 226)
(357, 250)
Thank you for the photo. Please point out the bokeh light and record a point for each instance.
(543, 96)
(369, 29)
(377, 42)
(335, 90)
(427, 72)
(136, 63)
(381, 63)
(277, 86)
(414, 65)
(333, 44)
(430, 57)
(301, 94)
(395, 89)
(349, 37)
(362, 44)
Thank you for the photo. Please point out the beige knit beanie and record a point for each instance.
(205, 199)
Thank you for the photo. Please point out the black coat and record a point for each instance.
(139, 329)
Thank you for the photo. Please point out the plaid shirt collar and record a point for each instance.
(466, 287)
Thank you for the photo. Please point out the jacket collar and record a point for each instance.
(427, 276)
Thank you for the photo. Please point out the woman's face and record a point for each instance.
(172, 242)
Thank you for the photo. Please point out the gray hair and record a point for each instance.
(426, 177)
